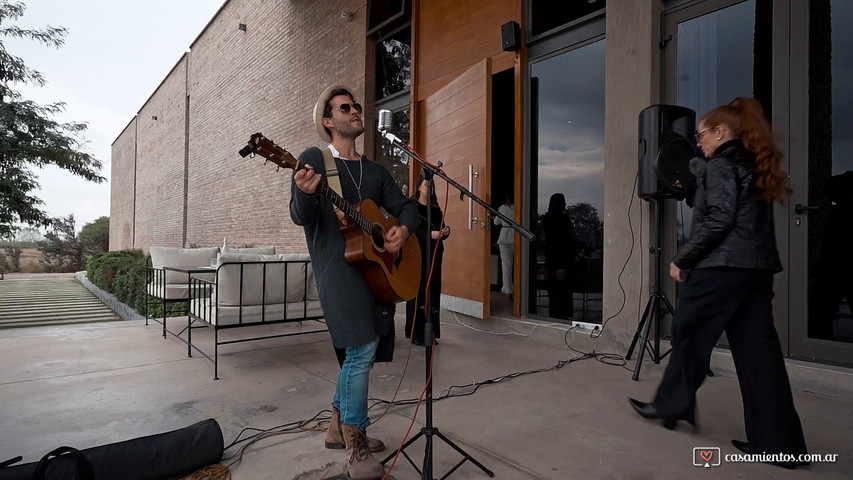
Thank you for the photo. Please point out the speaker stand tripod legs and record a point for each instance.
(654, 308)
(653, 311)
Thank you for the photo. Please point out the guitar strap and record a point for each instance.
(334, 181)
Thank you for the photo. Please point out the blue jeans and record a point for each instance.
(351, 391)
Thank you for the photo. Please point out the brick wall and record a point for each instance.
(264, 79)
(161, 127)
(122, 188)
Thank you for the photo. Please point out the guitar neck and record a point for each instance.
(258, 144)
(349, 210)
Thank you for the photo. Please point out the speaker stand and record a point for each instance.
(654, 307)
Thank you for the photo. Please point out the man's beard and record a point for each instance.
(345, 128)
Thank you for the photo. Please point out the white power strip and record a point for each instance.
(586, 326)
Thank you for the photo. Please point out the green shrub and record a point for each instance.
(102, 269)
(124, 273)
(129, 286)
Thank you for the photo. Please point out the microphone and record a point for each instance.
(385, 120)
(385, 124)
(696, 166)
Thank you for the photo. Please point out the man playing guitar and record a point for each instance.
(355, 318)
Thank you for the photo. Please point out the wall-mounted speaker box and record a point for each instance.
(510, 36)
(666, 147)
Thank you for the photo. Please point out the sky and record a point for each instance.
(115, 55)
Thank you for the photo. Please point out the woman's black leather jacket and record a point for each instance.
(732, 225)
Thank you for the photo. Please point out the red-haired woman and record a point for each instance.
(727, 268)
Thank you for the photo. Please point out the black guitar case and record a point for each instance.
(164, 456)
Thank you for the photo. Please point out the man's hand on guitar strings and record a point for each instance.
(395, 237)
(307, 179)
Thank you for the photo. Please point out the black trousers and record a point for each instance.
(737, 301)
(415, 313)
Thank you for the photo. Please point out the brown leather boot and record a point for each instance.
(335, 438)
(361, 465)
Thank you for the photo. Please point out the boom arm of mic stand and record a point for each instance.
(463, 191)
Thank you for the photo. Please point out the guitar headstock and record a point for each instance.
(261, 145)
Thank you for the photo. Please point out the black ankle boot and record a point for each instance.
(647, 410)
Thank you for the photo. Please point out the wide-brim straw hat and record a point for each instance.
(321, 105)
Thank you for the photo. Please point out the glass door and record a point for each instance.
(567, 184)
(821, 212)
(706, 66)
(799, 68)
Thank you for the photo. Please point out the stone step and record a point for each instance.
(36, 302)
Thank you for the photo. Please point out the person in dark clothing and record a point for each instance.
(559, 257)
(415, 311)
(354, 317)
(727, 268)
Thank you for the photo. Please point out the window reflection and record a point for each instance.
(394, 63)
(568, 171)
(830, 187)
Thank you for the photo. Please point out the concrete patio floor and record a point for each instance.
(94, 384)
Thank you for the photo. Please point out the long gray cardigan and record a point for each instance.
(352, 314)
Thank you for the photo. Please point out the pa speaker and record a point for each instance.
(510, 36)
(665, 150)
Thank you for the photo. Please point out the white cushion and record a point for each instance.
(311, 293)
(294, 256)
(182, 257)
(262, 281)
(262, 250)
(172, 291)
(232, 315)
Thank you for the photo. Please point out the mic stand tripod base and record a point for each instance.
(429, 431)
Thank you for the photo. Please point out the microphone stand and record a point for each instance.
(428, 431)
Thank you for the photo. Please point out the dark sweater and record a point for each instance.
(352, 314)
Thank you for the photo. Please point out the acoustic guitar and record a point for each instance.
(391, 277)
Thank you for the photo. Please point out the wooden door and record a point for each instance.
(456, 132)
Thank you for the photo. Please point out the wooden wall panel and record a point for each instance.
(453, 35)
(455, 127)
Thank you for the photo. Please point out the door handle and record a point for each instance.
(799, 208)
(471, 176)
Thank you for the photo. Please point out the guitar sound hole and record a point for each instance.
(377, 235)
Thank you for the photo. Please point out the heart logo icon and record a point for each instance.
(706, 455)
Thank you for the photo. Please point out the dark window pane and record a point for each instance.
(394, 63)
(386, 13)
(830, 178)
(549, 14)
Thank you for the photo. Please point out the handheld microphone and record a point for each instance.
(696, 166)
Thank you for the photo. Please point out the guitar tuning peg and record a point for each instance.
(265, 162)
(252, 155)
(277, 168)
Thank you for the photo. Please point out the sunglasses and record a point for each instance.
(345, 107)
